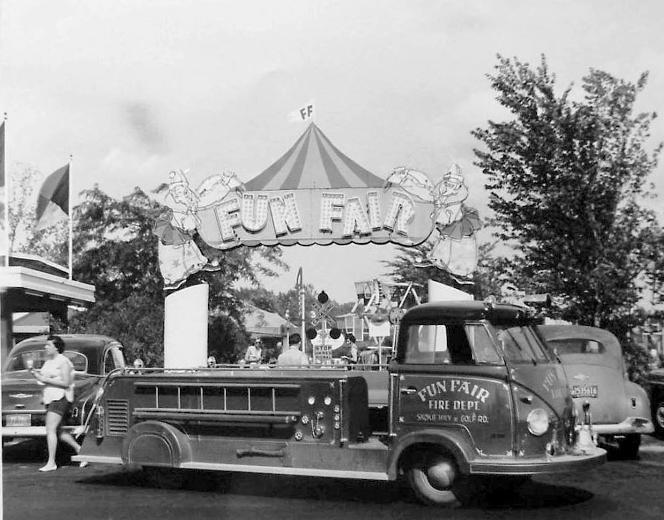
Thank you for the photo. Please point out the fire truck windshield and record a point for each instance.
(521, 344)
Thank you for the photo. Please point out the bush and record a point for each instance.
(636, 361)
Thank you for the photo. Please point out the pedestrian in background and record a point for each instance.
(293, 356)
(254, 352)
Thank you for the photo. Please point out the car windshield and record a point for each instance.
(520, 344)
(27, 359)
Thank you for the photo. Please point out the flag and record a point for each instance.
(53, 200)
(304, 113)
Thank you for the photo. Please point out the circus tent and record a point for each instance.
(313, 162)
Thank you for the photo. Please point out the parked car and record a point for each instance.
(23, 413)
(593, 363)
(655, 383)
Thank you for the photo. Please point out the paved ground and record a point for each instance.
(619, 490)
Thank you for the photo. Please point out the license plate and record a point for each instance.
(585, 391)
(22, 419)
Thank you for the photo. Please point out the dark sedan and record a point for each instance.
(656, 390)
(23, 413)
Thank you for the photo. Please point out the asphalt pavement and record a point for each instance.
(620, 490)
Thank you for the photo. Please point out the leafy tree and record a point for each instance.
(260, 297)
(405, 268)
(566, 180)
(51, 242)
(227, 339)
(654, 273)
(289, 302)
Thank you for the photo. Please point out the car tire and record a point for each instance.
(628, 446)
(435, 479)
(658, 419)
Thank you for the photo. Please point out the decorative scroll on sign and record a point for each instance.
(314, 194)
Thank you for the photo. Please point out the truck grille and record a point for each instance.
(117, 416)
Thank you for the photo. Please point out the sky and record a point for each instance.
(134, 89)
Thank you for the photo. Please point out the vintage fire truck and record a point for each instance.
(470, 394)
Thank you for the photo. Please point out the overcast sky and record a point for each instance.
(134, 89)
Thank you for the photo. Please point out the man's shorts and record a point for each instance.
(61, 407)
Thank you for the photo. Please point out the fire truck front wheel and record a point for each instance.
(434, 478)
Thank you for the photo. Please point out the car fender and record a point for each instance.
(642, 408)
(154, 443)
(455, 441)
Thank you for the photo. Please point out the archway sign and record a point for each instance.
(314, 194)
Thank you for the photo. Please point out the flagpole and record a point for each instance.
(7, 190)
(71, 220)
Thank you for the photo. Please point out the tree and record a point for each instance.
(227, 339)
(405, 268)
(566, 181)
(51, 242)
(260, 297)
(116, 250)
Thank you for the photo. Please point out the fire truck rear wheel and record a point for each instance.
(432, 477)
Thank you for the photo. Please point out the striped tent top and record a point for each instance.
(313, 162)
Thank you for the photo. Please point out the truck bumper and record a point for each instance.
(538, 466)
(629, 425)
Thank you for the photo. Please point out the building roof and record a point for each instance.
(264, 323)
(33, 291)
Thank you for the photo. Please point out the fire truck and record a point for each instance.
(471, 396)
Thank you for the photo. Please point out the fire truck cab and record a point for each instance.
(472, 393)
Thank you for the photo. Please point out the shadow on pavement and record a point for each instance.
(536, 495)
(530, 495)
(34, 450)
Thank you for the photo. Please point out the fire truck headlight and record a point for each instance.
(538, 422)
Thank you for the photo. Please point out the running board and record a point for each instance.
(246, 468)
(279, 470)
(97, 458)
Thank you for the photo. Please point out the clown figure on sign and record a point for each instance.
(179, 256)
(453, 244)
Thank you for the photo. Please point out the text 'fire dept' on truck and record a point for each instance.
(471, 393)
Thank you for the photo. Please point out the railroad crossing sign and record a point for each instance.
(320, 315)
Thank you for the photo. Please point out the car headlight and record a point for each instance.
(538, 422)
